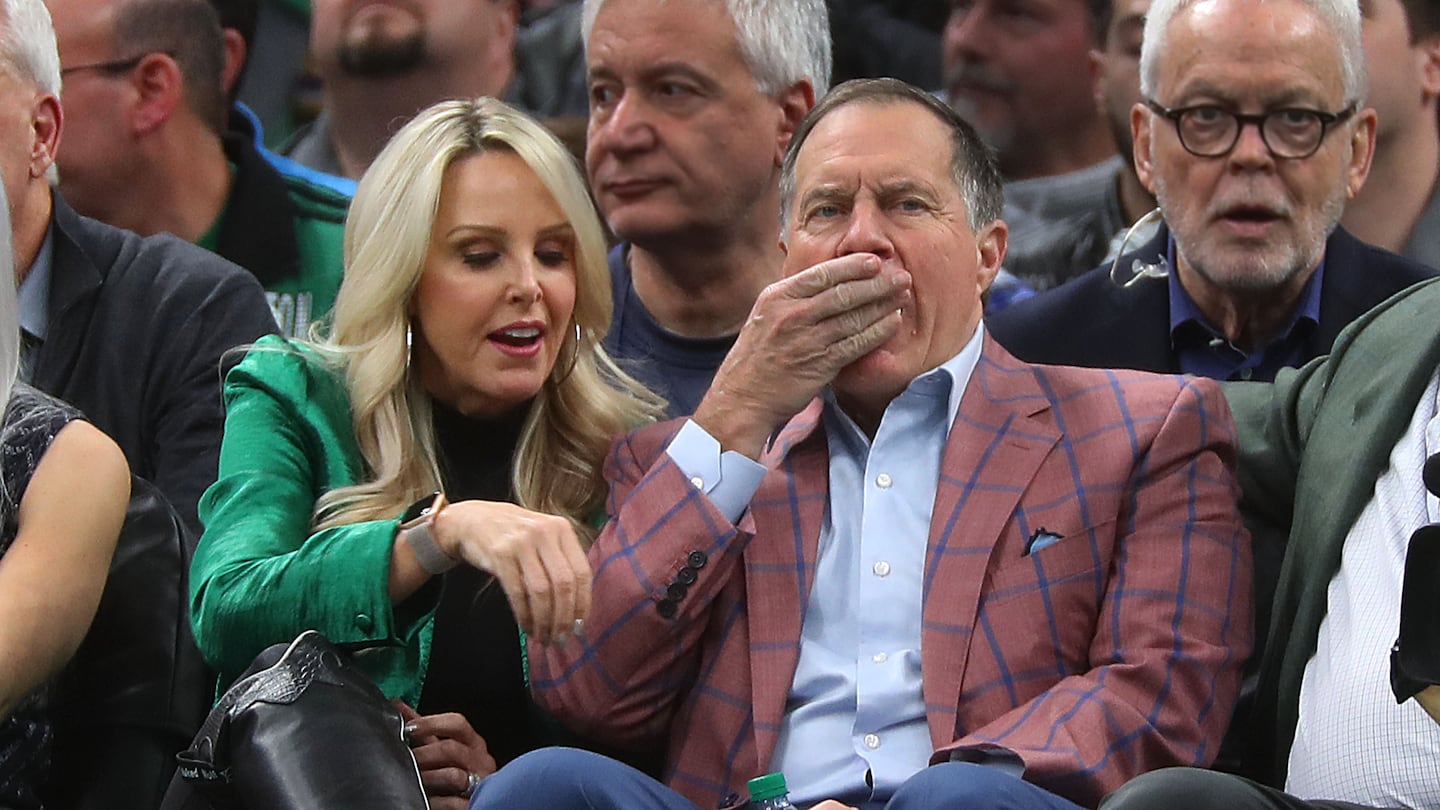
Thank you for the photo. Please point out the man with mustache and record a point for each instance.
(382, 61)
(1253, 133)
(1020, 73)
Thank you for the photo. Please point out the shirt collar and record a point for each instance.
(948, 380)
(1184, 310)
(34, 292)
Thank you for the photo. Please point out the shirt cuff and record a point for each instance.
(728, 479)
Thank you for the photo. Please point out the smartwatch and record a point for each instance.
(415, 530)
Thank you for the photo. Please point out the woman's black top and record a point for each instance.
(476, 665)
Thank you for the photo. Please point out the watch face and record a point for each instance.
(418, 509)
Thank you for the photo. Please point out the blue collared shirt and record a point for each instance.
(855, 726)
(1204, 351)
(33, 298)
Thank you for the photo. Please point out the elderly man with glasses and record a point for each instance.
(1253, 134)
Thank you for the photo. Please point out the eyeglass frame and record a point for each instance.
(115, 67)
(1242, 120)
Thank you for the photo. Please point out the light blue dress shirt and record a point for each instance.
(856, 707)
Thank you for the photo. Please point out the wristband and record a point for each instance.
(415, 529)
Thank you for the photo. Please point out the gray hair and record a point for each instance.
(782, 41)
(27, 43)
(9, 308)
(973, 165)
(1341, 16)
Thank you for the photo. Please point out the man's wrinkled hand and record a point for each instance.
(801, 332)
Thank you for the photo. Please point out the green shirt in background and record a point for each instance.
(286, 229)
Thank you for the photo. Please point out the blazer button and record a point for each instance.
(685, 576)
(697, 559)
(364, 623)
(676, 592)
(666, 608)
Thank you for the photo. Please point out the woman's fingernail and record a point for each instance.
(562, 638)
(579, 627)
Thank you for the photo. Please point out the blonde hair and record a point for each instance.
(579, 409)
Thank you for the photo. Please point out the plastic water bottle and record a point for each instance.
(768, 792)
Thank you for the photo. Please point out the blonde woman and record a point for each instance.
(462, 381)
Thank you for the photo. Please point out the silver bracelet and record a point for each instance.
(428, 552)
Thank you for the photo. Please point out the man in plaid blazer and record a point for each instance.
(1063, 606)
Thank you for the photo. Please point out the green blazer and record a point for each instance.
(1312, 446)
(260, 576)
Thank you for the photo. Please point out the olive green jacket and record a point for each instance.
(1312, 446)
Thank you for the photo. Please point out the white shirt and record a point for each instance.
(1353, 742)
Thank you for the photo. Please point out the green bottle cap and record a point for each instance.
(769, 786)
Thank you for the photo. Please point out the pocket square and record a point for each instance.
(1040, 540)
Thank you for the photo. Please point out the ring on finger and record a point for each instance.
(472, 781)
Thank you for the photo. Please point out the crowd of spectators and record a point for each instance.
(984, 403)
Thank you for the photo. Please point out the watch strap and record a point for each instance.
(428, 552)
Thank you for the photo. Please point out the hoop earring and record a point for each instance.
(574, 357)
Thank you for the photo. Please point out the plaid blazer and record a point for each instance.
(1114, 651)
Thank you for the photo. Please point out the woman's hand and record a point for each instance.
(535, 557)
(448, 751)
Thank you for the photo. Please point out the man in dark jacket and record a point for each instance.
(147, 148)
(131, 330)
(1252, 155)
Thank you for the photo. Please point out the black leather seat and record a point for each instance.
(137, 690)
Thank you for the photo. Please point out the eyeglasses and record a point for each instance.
(1209, 131)
(118, 67)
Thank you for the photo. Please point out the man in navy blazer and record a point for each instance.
(1098, 322)
(1252, 156)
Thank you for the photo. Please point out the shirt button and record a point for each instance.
(880, 658)
(872, 741)
(883, 480)
(364, 623)
(881, 569)
(697, 482)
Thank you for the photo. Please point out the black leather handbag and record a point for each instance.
(1415, 659)
(309, 731)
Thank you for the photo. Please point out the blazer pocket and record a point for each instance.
(1079, 556)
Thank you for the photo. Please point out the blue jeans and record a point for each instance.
(570, 779)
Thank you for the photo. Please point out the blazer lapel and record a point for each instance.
(994, 450)
(74, 284)
(780, 566)
(1142, 338)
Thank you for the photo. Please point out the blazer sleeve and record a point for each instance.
(260, 576)
(1172, 631)
(621, 681)
(185, 425)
